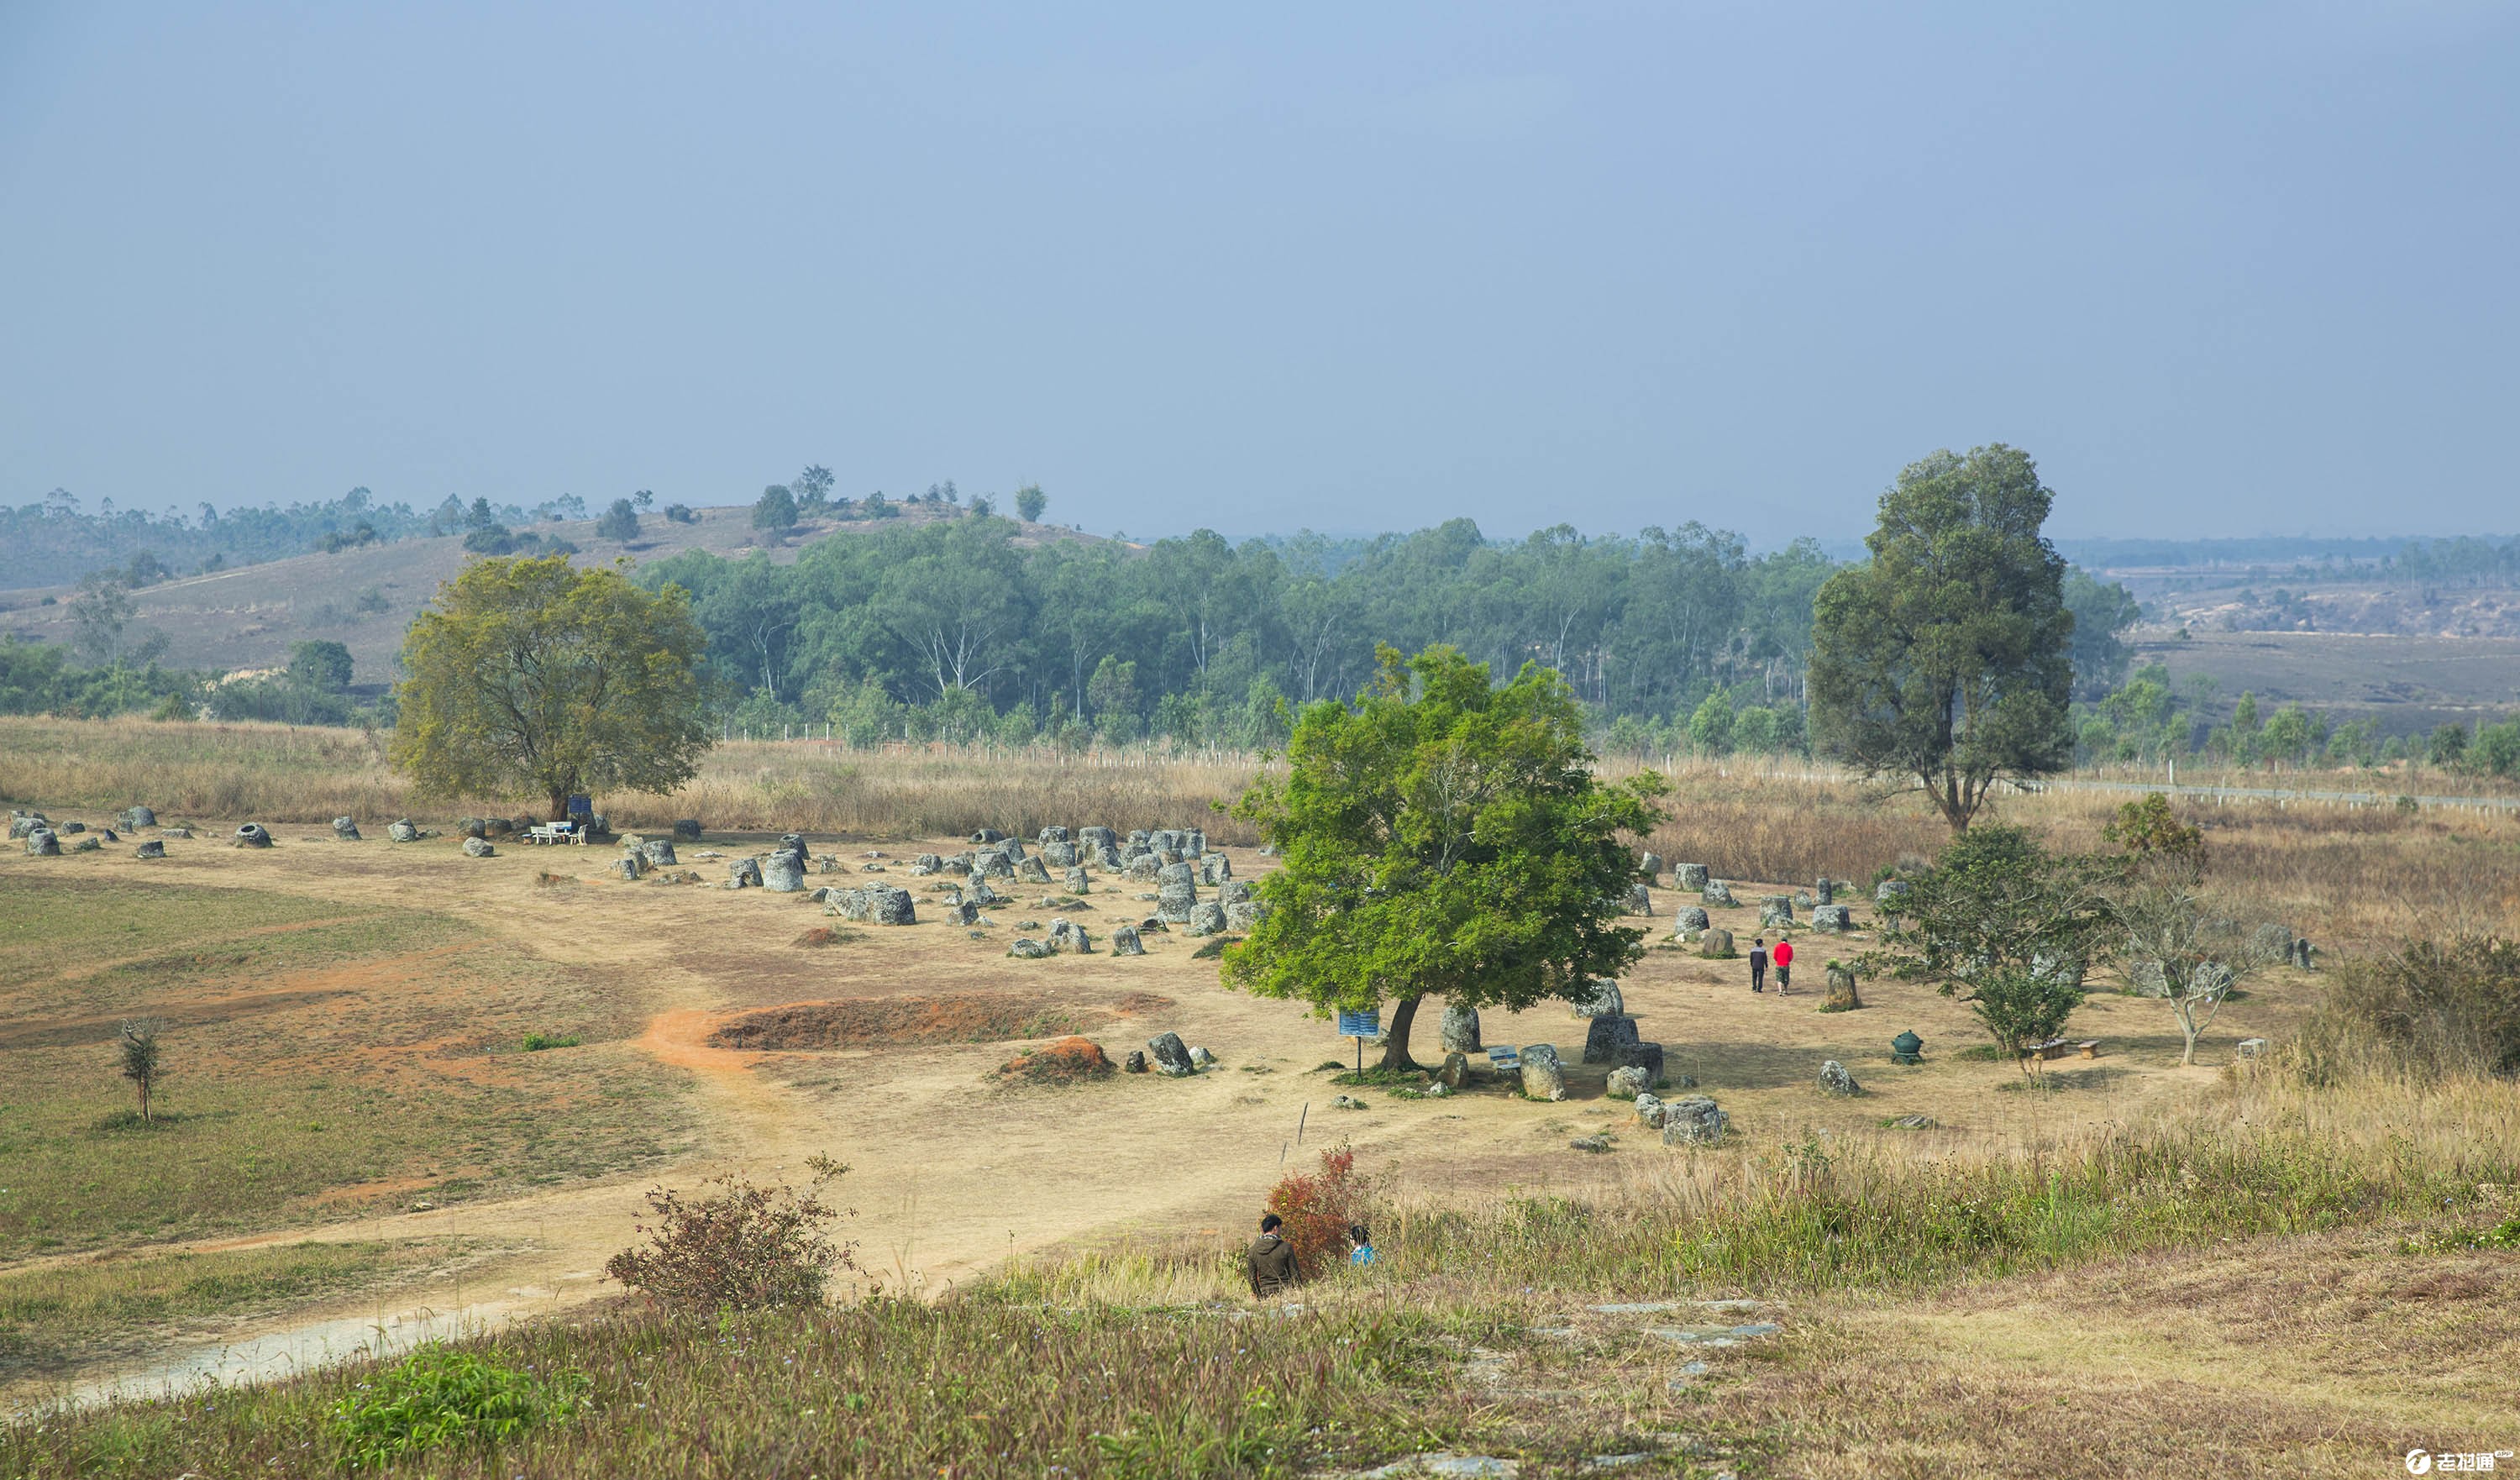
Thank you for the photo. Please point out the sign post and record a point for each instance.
(1360, 1026)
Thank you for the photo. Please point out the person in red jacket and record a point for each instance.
(1783, 956)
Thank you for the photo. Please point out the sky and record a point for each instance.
(2222, 269)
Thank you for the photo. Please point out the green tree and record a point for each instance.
(99, 613)
(619, 522)
(813, 489)
(1442, 836)
(2447, 744)
(528, 673)
(1030, 501)
(2102, 610)
(322, 667)
(1944, 660)
(1710, 728)
(775, 510)
(2003, 923)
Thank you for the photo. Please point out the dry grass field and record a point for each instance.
(2170, 1267)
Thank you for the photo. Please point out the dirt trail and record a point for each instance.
(952, 1171)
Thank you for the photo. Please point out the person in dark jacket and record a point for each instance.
(1273, 1262)
(1759, 965)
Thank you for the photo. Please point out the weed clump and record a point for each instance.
(439, 1397)
(536, 1043)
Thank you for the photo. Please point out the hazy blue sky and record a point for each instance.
(2226, 269)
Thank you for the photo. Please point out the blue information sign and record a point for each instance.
(1361, 1024)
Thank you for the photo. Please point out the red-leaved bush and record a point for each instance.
(740, 1248)
(1319, 1208)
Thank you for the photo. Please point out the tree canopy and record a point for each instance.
(1444, 835)
(527, 673)
(1944, 661)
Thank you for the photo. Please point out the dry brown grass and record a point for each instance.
(284, 774)
(2346, 875)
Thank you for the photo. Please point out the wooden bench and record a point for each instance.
(2062, 1047)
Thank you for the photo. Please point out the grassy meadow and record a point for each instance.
(323, 1059)
(2220, 1271)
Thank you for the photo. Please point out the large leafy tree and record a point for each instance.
(527, 673)
(1944, 661)
(1443, 837)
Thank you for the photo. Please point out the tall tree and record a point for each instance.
(1944, 660)
(1445, 836)
(528, 673)
(1030, 501)
(2102, 610)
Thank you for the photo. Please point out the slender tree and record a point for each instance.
(1946, 661)
(142, 1062)
(1443, 837)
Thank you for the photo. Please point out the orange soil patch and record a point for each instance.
(1066, 1062)
(891, 1022)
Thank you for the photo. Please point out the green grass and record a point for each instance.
(972, 1388)
(536, 1042)
(52, 1317)
(1124, 1364)
(369, 1055)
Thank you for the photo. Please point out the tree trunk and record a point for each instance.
(144, 1101)
(559, 806)
(1395, 1038)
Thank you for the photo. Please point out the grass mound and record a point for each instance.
(1073, 1059)
(888, 1021)
(829, 935)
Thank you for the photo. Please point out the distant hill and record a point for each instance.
(244, 618)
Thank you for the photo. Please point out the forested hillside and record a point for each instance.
(957, 627)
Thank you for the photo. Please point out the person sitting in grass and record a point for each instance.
(1362, 1254)
(1273, 1262)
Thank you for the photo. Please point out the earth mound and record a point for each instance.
(897, 1021)
(1070, 1060)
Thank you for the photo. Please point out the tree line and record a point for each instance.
(977, 626)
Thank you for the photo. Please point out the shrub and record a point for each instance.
(744, 1247)
(536, 1043)
(436, 1397)
(1319, 1209)
(2433, 1007)
(680, 514)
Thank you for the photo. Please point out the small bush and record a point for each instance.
(1981, 1053)
(536, 1043)
(546, 879)
(829, 935)
(435, 1397)
(744, 1247)
(1319, 1210)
